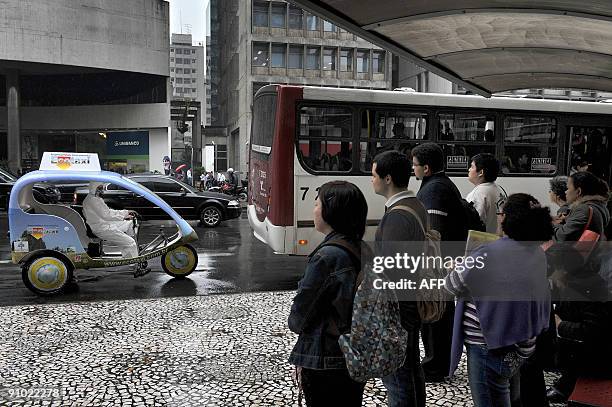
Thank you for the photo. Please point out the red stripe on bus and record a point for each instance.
(281, 181)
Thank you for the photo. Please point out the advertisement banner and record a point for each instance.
(132, 145)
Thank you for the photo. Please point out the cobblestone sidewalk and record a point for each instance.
(223, 350)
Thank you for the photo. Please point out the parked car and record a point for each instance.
(208, 207)
(43, 193)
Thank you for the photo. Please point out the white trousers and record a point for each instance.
(119, 234)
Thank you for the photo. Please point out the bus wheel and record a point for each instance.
(210, 216)
(180, 261)
(46, 275)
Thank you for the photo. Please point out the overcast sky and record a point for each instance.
(192, 12)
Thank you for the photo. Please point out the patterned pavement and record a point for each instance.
(218, 350)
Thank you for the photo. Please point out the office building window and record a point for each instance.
(346, 60)
(260, 13)
(179, 60)
(193, 61)
(179, 70)
(313, 58)
(193, 51)
(260, 54)
(193, 80)
(312, 23)
(193, 71)
(171, 59)
(296, 56)
(193, 90)
(187, 71)
(279, 51)
(296, 18)
(328, 27)
(179, 51)
(363, 61)
(171, 49)
(179, 80)
(171, 69)
(378, 62)
(329, 59)
(278, 15)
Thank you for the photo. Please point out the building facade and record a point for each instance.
(260, 42)
(187, 77)
(187, 69)
(85, 79)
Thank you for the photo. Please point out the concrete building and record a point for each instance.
(261, 42)
(84, 76)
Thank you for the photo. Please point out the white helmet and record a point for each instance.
(230, 170)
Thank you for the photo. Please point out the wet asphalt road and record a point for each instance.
(231, 260)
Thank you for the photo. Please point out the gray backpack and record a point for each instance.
(376, 344)
(431, 304)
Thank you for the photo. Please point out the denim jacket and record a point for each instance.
(322, 308)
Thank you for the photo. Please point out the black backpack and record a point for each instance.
(472, 218)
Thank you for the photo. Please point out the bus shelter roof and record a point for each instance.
(489, 46)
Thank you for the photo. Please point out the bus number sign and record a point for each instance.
(305, 191)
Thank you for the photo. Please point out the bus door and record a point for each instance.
(590, 150)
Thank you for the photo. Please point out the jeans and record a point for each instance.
(406, 386)
(331, 388)
(490, 375)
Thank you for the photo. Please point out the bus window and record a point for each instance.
(591, 149)
(462, 135)
(466, 127)
(530, 145)
(385, 130)
(325, 139)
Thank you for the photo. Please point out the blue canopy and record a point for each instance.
(97, 176)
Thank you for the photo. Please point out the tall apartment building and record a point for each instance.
(188, 104)
(187, 69)
(259, 42)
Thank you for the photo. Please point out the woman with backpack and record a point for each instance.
(503, 302)
(322, 308)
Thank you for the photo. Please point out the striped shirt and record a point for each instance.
(455, 283)
(473, 334)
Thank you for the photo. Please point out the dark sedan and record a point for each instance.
(208, 207)
(43, 193)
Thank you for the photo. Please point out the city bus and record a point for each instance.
(302, 137)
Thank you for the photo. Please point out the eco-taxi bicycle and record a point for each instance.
(50, 241)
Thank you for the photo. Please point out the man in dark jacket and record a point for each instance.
(390, 176)
(442, 200)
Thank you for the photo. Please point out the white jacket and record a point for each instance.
(488, 197)
(101, 218)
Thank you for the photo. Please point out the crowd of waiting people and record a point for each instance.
(509, 343)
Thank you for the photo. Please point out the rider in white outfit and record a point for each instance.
(110, 225)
